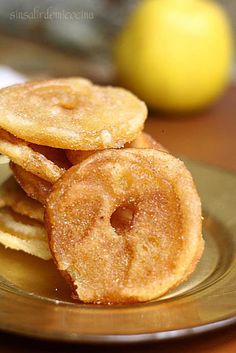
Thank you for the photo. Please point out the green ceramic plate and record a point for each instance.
(35, 301)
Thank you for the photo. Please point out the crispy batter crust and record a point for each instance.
(71, 113)
(140, 256)
(41, 161)
(144, 140)
(34, 186)
(13, 196)
(22, 233)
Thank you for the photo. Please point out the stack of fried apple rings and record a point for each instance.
(118, 214)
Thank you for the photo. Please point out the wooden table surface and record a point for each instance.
(209, 136)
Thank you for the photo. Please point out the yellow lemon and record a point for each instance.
(175, 54)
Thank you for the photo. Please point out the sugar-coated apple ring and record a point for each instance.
(71, 113)
(30, 157)
(22, 233)
(12, 195)
(55, 155)
(144, 254)
(34, 186)
(76, 157)
(144, 140)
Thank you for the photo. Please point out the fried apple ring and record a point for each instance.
(26, 156)
(144, 140)
(34, 186)
(76, 157)
(46, 162)
(22, 233)
(157, 246)
(12, 195)
(55, 155)
(71, 113)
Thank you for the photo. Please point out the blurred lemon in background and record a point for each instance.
(175, 54)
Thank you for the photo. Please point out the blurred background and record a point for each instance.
(79, 32)
(176, 55)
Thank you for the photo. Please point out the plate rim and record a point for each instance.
(84, 338)
(129, 338)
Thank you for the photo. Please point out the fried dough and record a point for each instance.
(12, 195)
(34, 186)
(22, 233)
(144, 140)
(28, 158)
(71, 113)
(135, 258)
